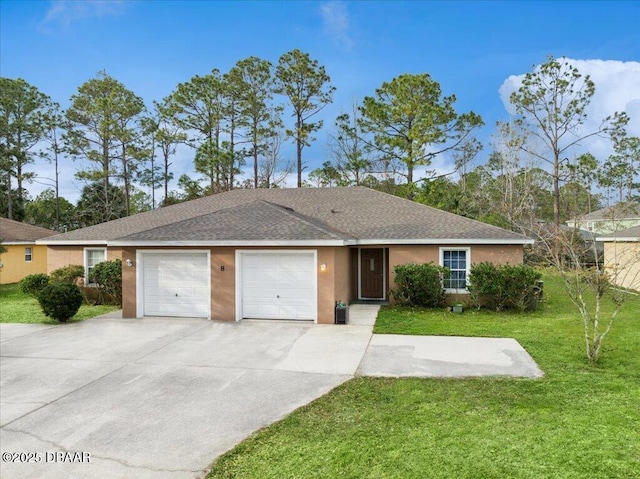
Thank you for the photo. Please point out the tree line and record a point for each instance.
(236, 123)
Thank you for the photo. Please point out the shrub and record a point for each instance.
(33, 284)
(69, 274)
(419, 285)
(60, 301)
(108, 276)
(502, 287)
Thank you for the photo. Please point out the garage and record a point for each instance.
(175, 284)
(277, 285)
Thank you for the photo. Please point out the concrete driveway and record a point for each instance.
(157, 398)
(162, 398)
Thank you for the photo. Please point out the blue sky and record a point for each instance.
(471, 48)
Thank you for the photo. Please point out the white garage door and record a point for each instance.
(176, 284)
(278, 286)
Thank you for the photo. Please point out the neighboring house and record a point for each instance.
(610, 219)
(622, 257)
(278, 253)
(23, 256)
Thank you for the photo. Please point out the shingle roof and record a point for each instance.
(15, 231)
(354, 212)
(618, 212)
(255, 221)
(629, 234)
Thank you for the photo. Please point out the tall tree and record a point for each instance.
(132, 152)
(51, 211)
(351, 155)
(412, 122)
(101, 130)
(308, 87)
(552, 102)
(166, 136)
(55, 124)
(23, 112)
(272, 169)
(582, 173)
(95, 206)
(253, 84)
(326, 176)
(620, 174)
(198, 108)
(232, 88)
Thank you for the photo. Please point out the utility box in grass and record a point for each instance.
(342, 313)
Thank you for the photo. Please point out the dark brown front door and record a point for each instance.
(372, 273)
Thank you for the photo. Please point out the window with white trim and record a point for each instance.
(92, 256)
(28, 255)
(457, 261)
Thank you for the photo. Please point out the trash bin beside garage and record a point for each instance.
(342, 313)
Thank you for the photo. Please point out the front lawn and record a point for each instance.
(17, 307)
(578, 421)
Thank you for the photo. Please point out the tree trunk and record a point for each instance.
(125, 175)
(57, 179)
(299, 127)
(153, 173)
(105, 180)
(232, 163)
(556, 193)
(166, 175)
(9, 197)
(255, 155)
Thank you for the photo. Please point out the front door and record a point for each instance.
(372, 273)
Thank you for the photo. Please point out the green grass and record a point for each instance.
(578, 421)
(17, 307)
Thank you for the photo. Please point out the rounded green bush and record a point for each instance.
(33, 284)
(67, 274)
(60, 301)
(419, 285)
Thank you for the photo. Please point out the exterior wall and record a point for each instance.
(14, 267)
(333, 283)
(622, 261)
(499, 254)
(60, 256)
(223, 284)
(129, 283)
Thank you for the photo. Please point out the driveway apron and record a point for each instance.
(156, 397)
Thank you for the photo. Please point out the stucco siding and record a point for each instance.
(223, 284)
(333, 282)
(14, 266)
(498, 254)
(622, 261)
(60, 256)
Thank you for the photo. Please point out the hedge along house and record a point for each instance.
(23, 257)
(279, 253)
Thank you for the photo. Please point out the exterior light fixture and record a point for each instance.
(129, 263)
(323, 266)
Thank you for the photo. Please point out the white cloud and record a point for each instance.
(336, 22)
(617, 89)
(65, 12)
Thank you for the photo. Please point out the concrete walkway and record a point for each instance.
(396, 355)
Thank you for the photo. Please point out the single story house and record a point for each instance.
(622, 257)
(609, 219)
(279, 253)
(23, 257)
